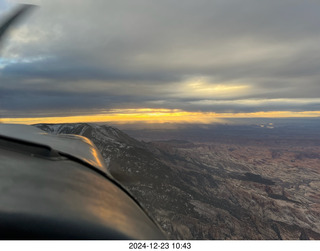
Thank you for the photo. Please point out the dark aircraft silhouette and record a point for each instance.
(16, 16)
(57, 187)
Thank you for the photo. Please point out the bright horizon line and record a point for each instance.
(158, 116)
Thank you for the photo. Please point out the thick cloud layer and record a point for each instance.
(218, 55)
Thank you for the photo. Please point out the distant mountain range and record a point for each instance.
(212, 190)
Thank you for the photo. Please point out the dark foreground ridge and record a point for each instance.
(213, 190)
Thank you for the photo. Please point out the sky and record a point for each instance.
(190, 61)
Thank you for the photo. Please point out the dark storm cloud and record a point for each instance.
(35, 103)
(80, 54)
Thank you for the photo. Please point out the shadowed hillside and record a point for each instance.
(215, 190)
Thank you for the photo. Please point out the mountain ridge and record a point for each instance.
(205, 191)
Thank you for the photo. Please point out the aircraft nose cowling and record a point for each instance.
(47, 196)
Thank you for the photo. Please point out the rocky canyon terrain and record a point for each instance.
(222, 182)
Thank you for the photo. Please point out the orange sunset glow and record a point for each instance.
(146, 115)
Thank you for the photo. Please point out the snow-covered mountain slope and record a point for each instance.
(92, 131)
(132, 163)
(197, 191)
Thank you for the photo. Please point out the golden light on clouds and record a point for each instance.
(123, 116)
(202, 87)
